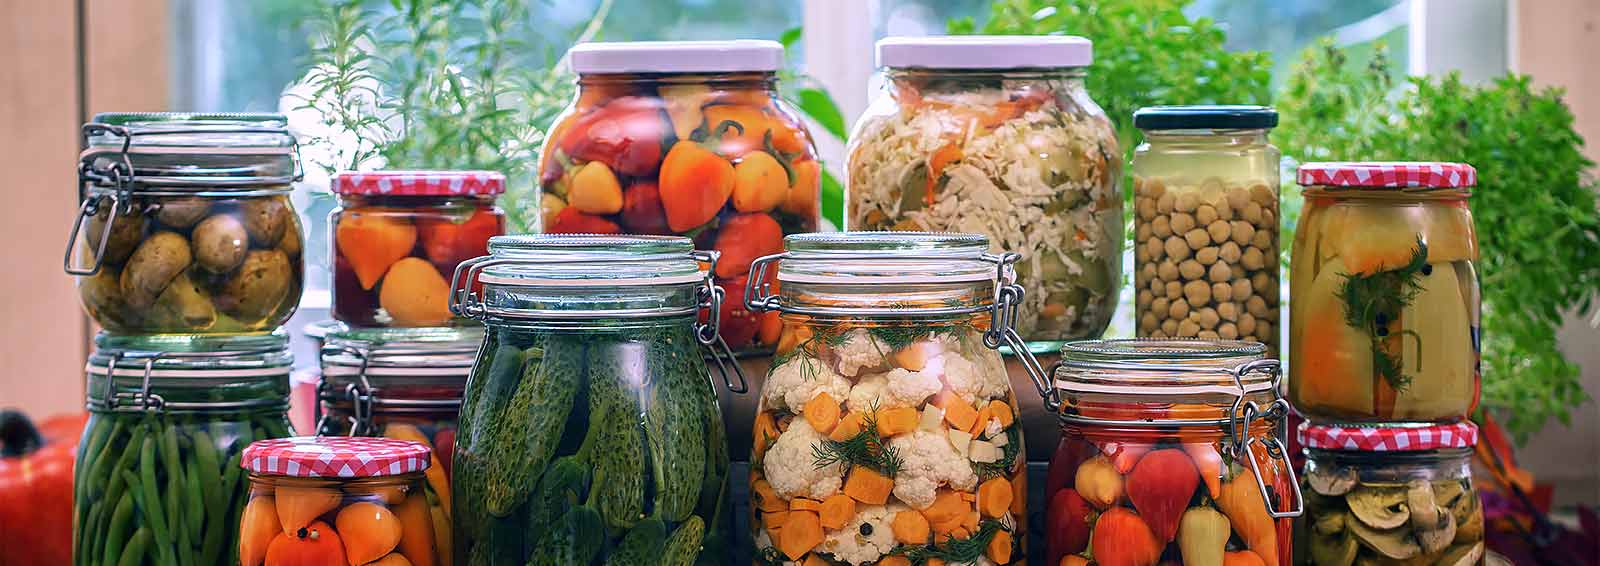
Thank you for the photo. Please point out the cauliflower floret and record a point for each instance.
(964, 377)
(798, 380)
(872, 390)
(792, 469)
(996, 383)
(927, 460)
(764, 542)
(849, 544)
(861, 350)
(910, 388)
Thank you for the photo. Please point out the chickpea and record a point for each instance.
(1141, 253)
(1145, 297)
(1220, 272)
(1188, 329)
(1187, 202)
(1242, 232)
(1160, 227)
(1263, 195)
(1227, 331)
(1159, 303)
(1230, 252)
(1209, 318)
(1264, 330)
(1146, 207)
(1155, 188)
(1241, 289)
(1261, 283)
(1178, 310)
(1219, 231)
(1228, 310)
(1182, 222)
(1253, 258)
(1262, 239)
(1257, 307)
(1199, 293)
(1138, 185)
(1169, 327)
(1207, 255)
(1208, 335)
(1197, 239)
(1177, 248)
(1147, 323)
(1252, 213)
(1143, 232)
(1224, 210)
(1174, 290)
(1222, 292)
(1148, 272)
(1191, 269)
(1167, 270)
(1206, 214)
(1158, 287)
(1164, 203)
(1238, 197)
(1270, 292)
(1269, 218)
(1247, 324)
(1155, 249)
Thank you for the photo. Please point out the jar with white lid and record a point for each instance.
(997, 135)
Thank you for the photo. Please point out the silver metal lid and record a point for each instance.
(188, 152)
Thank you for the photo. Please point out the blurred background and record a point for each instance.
(61, 61)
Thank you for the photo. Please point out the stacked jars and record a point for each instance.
(1206, 224)
(188, 253)
(685, 138)
(1383, 352)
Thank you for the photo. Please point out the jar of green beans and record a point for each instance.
(158, 478)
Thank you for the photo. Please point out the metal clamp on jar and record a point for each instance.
(1149, 424)
(186, 223)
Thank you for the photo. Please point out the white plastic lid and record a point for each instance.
(985, 52)
(740, 55)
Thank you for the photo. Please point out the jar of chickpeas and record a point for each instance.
(1206, 227)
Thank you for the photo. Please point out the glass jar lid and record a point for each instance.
(874, 258)
(985, 52)
(188, 372)
(1164, 368)
(420, 371)
(188, 152)
(650, 57)
(1395, 437)
(337, 457)
(419, 183)
(1387, 175)
(1205, 117)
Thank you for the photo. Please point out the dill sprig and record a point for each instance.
(821, 337)
(867, 448)
(1372, 302)
(1008, 458)
(954, 550)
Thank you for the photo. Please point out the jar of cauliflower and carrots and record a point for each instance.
(685, 138)
(1170, 449)
(887, 431)
(333, 501)
(1383, 322)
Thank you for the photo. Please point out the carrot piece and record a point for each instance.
(1240, 499)
(994, 497)
(947, 506)
(897, 421)
(980, 422)
(771, 328)
(959, 413)
(848, 427)
(1209, 462)
(766, 498)
(1019, 490)
(970, 521)
(999, 549)
(822, 412)
(814, 560)
(915, 356)
(941, 158)
(836, 510)
(1000, 410)
(910, 527)
(765, 432)
(1073, 560)
(803, 504)
(894, 560)
(801, 532)
(868, 486)
(774, 520)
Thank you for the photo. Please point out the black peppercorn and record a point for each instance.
(866, 529)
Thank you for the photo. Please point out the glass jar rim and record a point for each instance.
(590, 260)
(185, 152)
(1164, 367)
(398, 352)
(193, 351)
(886, 258)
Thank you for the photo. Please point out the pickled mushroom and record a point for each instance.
(182, 213)
(220, 243)
(183, 305)
(1462, 555)
(153, 265)
(265, 219)
(1394, 543)
(1334, 549)
(125, 233)
(259, 286)
(1379, 507)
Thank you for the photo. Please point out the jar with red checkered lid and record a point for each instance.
(335, 500)
(1383, 325)
(1389, 494)
(397, 237)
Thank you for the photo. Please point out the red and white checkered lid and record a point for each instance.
(335, 457)
(1388, 174)
(1463, 434)
(419, 183)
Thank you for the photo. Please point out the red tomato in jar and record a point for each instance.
(627, 134)
(449, 243)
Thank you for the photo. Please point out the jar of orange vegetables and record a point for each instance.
(397, 237)
(333, 501)
(1169, 448)
(685, 138)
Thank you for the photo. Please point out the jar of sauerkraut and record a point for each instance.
(997, 135)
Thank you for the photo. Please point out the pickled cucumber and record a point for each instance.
(529, 427)
(617, 455)
(675, 428)
(684, 544)
(641, 546)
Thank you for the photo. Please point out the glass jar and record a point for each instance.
(1390, 495)
(400, 383)
(687, 138)
(1397, 241)
(398, 236)
(186, 223)
(338, 500)
(590, 420)
(997, 136)
(1169, 448)
(1205, 184)
(887, 423)
(158, 473)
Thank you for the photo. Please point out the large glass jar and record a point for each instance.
(398, 236)
(590, 428)
(1390, 495)
(1383, 324)
(1205, 185)
(1169, 448)
(997, 136)
(185, 225)
(329, 501)
(157, 476)
(687, 138)
(887, 425)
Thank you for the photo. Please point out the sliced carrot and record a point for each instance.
(814, 560)
(822, 412)
(868, 486)
(765, 432)
(910, 527)
(803, 504)
(774, 520)
(894, 560)
(947, 506)
(1000, 410)
(959, 413)
(766, 498)
(836, 510)
(897, 421)
(980, 422)
(941, 158)
(994, 497)
(801, 532)
(999, 549)
(848, 426)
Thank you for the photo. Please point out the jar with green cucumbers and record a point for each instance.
(590, 428)
(157, 477)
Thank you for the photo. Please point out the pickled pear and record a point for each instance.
(1378, 238)
(1449, 233)
(1331, 364)
(1439, 357)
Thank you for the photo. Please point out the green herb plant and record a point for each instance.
(867, 448)
(954, 550)
(1534, 206)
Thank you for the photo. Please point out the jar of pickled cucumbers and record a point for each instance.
(337, 500)
(688, 138)
(997, 135)
(590, 428)
(398, 236)
(1205, 185)
(1390, 494)
(887, 427)
(1384, 321)
(185, 225)
(1169, 448)
(157, 475)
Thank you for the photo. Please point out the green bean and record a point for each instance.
(116, 534)
(275, 428)
(130, 449)
(133, 554)
(185, 551)
(168, 449)
(94, 525)
(194, 509)
(151, 503)
(230, 477)
(99, 473)
(95, 456)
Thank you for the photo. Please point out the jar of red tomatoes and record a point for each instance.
(397, 237)
(1169, 449)
(327, 501)
(687, 138)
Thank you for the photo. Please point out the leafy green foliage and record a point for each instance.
(1534, 206)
